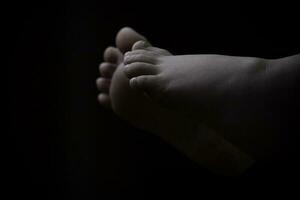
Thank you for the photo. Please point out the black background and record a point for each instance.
(63, 144)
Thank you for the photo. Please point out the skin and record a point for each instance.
(227, 93)
(189, 136)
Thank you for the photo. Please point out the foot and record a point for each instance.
(113, 57)
(196, 141)
(225, 92)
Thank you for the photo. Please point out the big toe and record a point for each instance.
(126, 37)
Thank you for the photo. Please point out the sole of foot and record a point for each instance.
(190, 137)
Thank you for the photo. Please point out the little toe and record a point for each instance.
(103, 84)
(107, 69)
(113, 55)
(104, 100)
(139, 68)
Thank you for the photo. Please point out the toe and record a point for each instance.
(103, 84)
(107, 69)
(144, 45)
(126, 37)
(138, 69)
(139, 52)
(140, 45)
(139, 57)
(104, 100)
(146, 83)
(112, 55)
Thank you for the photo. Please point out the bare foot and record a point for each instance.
(225, 92)
(188, 136)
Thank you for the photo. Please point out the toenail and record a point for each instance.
(133, 82)
(126, 60)
(127, 69)
(147, 44)
(142, 44)
(127, 53)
